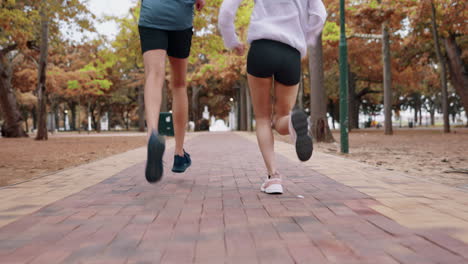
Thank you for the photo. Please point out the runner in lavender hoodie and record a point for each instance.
(279, 33)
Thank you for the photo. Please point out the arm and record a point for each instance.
(199, 4)
(316, 16)
(226, 26)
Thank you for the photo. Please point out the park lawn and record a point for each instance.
(425, 153)
(25, 158)
(419, 152)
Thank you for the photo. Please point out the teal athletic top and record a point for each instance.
(167, 14)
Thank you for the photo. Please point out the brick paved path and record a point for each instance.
(215, 213)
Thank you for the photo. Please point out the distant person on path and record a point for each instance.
(279, 33)
(166, 30)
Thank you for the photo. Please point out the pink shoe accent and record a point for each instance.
(273, 185)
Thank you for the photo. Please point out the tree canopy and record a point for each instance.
(104, 75)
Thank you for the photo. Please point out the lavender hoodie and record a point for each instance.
(297, 23)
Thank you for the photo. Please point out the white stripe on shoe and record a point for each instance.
(272, 186)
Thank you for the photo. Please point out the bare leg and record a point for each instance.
(179, 101)
(285, 100)
(261, 100)
(154, 61)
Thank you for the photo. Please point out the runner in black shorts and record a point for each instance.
(177, 43)
(166, 30)
(270, 58)
(279, 33)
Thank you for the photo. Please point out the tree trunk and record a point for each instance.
(318, 99)
(41, 86)
(420, 116)
(72, 107)
(97, 118)
(127, 119)
(353, 103)
(333, 112)
(12, 126)
(55, 109)
(79, 115)
(458, 70)
(442, 70)
(93, 122)
(466, 115)
(387, 76)
(98, 123)
(141, 108)
(91, 114)
(432, 113)
(65, 120)
(415, 120)
(243, 120)
(34, 117)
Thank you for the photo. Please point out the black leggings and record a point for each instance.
(269, 58)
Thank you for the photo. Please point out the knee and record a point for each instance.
(277, 117)
(263, 120)
(279, 128)
(274, 119)
(179, 83)
(155, 72)
(179, 86)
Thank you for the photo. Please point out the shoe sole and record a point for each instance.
(154, 164)
(273, 189)
(304, 145)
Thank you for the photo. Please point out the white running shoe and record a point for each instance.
(272, 185)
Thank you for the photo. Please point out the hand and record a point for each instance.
(199, 4)
(239, 50)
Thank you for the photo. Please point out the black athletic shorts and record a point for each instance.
(269, 58)
(177, 43)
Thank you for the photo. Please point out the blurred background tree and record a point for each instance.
(95, 76)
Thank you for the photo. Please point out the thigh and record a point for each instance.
(180, 42)
(261, 98)
(153, 39)
(155, 62)
(285, 98)
(178, 72)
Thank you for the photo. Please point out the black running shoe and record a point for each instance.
(181, 163)
(299, 131)
(154, 162)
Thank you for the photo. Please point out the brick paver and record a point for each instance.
(25, 198)
(215, 213)
(412, 202)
